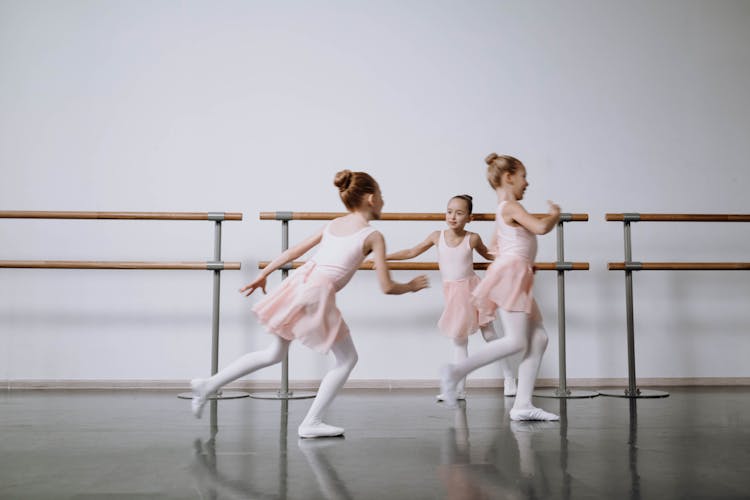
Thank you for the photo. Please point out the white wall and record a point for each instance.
(253, 106)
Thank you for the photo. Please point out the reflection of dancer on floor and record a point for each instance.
(460, 318)
(507, 286)
(303, 307)
(331, 485)
(204, 469)
(487, 478)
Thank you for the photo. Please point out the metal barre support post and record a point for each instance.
(632, 391)
(283, 393)
(562, 390)
(629, 266)
(215, 306)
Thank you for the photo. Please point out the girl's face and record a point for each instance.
(457, 214)
(517, 183)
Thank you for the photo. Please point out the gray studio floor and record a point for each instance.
(398, 444)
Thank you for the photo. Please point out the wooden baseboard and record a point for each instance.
(385, 384)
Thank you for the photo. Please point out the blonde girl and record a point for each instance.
(507, 288)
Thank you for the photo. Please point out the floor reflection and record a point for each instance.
(315, 451)
(213, 484)
(509, 467)
(635, 478)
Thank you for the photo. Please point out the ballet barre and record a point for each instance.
(560, 265)
(369, 265)
(628, 265)
(216, 265)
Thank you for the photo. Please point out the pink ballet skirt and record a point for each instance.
(507, 284)
(304, 308)
(460, 318)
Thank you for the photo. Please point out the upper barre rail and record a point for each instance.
(94, 264)
(638, 217)
(410, 216)
(37, 214)
(369, 265)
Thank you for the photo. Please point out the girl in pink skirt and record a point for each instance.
(507, 287)
(460, 318)
(304, 308)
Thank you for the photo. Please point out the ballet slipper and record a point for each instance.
(509, 387)
(197, 386)
(532, 413)
(460, 396)
(448, 387)
(318, 430)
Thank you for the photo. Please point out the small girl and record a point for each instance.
(507, 287)
(460, 318)
(303, 307)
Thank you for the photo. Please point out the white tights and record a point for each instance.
(521, 335)
(343, 350)
(461, 352)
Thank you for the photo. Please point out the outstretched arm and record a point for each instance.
(286, 256)
(375, 243)
(515, 211)
(478, 245)
(416, 250)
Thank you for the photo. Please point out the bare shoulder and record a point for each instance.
(433, 236)
(513, 206)
(474, 239)
(374, 236)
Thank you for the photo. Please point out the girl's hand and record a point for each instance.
(259, 282)
(418, 283)
(554, 209)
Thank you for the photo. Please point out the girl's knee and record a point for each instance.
(352, 361)
(540, 340)
(277, 350)
(517, 344)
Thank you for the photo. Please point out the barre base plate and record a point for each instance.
(221, 395)
(567, 394)
(638, 394)
(278, 395)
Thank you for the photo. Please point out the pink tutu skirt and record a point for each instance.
(507, 284)
(304, 308)
(460, 317)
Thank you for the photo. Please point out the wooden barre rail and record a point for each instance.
(92, 264)
(26, 214)
(678, 266)
(635, 217)
(433, 266)
(411, 216)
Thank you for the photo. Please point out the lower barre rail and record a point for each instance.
(94, 264)
(433, 266)
(678, 266)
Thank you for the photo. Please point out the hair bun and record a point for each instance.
(467, 196)
(490, 158)
(343, 179)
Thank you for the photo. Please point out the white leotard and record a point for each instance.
(514, 240)
(456, 263)
(338, 257)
